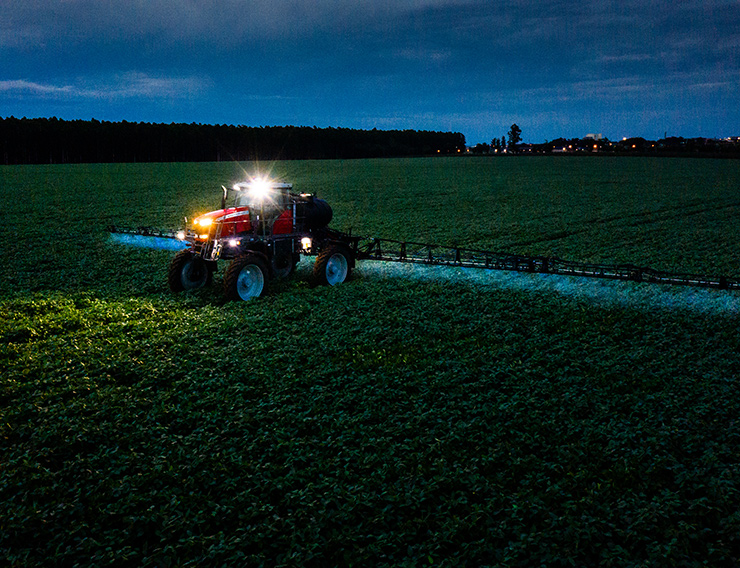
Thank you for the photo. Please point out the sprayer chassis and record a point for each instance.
(389, 250)
(265, 237)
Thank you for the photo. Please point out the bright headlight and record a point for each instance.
(204, 222)
(259, 188)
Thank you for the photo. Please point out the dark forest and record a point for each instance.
(55, 141)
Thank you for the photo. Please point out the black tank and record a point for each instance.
(316, 213)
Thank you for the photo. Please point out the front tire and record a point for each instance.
(188, 271)
(246, 278)
(333, 266)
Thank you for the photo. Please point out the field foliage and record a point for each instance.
(409, 417)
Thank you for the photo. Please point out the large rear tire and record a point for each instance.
(246, 278)
(333, 266)
(188, 271)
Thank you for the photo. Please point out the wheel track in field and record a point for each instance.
(643, 218)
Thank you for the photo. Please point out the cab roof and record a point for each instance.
(242, 185)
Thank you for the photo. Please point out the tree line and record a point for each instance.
(56, 141)
(673, 146)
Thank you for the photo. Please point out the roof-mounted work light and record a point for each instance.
(262, 191)
(259, 188)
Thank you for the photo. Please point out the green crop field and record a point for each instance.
(413, 416)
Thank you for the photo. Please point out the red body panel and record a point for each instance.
(235, 220)
(283, 224)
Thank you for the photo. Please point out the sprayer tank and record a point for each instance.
(316, 213)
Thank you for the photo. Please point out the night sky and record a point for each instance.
(556, 68)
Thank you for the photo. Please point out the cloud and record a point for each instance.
(129, 85)
(20, 86)
(225, 21)
(539, 39)
(627, 90)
